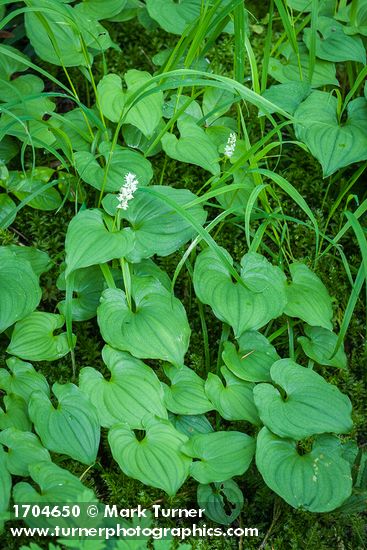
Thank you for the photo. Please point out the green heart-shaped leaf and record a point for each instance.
(16, 414)
(356, 24)
(100, 9)
(75, 128)
(24, 449)
(88, 284)
(221, 455)
(7, 206)
(23, 379)
(332, 44)
(72, 428)
(289, 95)
(20, 292)
(132, 391)
(246, 306)
(145, 113)
(318, 481)
(186, 394)
(5, 486)
(89, 242)
(69, 35)
(156, 459)
(156, 328)
(235, 400)
(288, 69)
(56, 485)
(334, 144)
(311, 405)
(191, 424)
(194, 146)
(9, 65)
(216, 102)
(254, 358)
(308, 298)
(222, 502)
(118, 162)
(33, 338)
(319, 344)
(23, 185)
(40, 261)
(171, 16)
(157, 227)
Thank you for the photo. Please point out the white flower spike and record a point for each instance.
(231, 145)
(127, 191)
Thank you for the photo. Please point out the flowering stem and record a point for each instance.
(107, 275)
(126, 275)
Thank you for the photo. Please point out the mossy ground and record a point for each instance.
(280, 526)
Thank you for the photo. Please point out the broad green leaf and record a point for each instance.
(234, 400)
(7, 206)
(319, 344)
(39, 260)
(334, 144)
(149, 270)
(223, 502)
(245, 307)
(23, 450)
(56, 486)
(155, 328)
(325, 7)
(22, 379)
(308, 298)
(58, 33)
(8, 147)
(287, 69)
(289, 95)
(112, 98)
(309, 406)
(117, 165)
(27, 90)
(33, 338)
(9, 65)
(333, 44)
(15, 414)
(72, 428)
(186, 393)
(20, 292)
(191, 424)
(318, 481)
(145, 113)
(24, 109)
(220, 455)
(193, 146)
(174, 17)
(88, 241)
(100, 9)
(156, 459)
(254, 358)
(359, 23)
(158, 229)
(217, 102)
(22, 185)
(177, 102)
(5, 486)
(135, 139)
(88, 285)
(128, 395)
(77, 126)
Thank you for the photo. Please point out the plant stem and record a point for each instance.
(126, 275)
